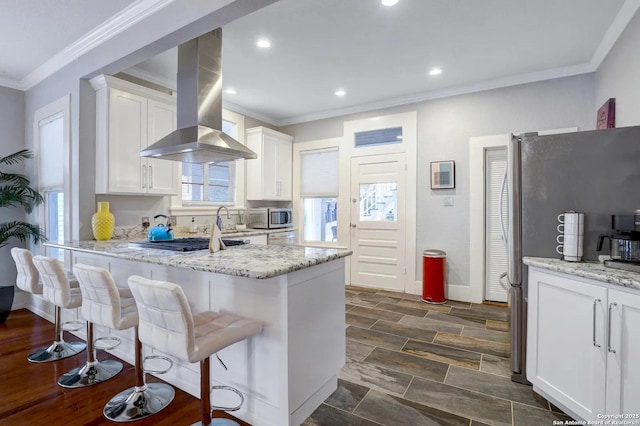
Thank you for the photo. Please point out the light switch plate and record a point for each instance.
(447, 201)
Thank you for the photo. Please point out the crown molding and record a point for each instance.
(11, 84)
(444, 93)
(151, 77)
(622, 19)
(249, 113)
(113, 26)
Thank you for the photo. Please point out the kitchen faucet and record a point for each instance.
(219, 219)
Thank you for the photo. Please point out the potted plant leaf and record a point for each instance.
(240, 225)
(16, 191)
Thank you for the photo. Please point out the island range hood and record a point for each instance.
(199, 138)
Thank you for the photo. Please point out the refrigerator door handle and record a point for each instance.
(504, 285)
(502, 228)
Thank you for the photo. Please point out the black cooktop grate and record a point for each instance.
(182, 244)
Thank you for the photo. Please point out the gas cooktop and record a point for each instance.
(182, 244)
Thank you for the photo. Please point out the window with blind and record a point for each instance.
(212, 182)
(319, 193)
(51, 178)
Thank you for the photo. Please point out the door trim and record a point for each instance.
(409, 123)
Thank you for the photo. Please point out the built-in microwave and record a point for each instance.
(270, 218)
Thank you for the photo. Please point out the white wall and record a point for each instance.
(444, 129)
(619, 76)
(11, 140)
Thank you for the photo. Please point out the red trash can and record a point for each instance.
(433, 276)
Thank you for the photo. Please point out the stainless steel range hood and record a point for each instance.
(199, 138)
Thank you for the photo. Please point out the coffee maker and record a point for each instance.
(624, 242)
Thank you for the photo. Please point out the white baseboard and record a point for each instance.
(19, 300)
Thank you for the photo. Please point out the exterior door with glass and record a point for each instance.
(378, 221)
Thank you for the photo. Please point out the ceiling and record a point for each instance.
(379, 55)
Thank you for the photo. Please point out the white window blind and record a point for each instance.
(50, 155)
(319, 173)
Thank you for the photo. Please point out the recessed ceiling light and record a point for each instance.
(264, 43)
(389, 2)
(435, 71)
(340, 93)
(231, 91)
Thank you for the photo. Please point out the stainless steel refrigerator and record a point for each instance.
(596, 173)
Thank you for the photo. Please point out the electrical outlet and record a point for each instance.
(173, 220)
(448, 201)
(145, 221)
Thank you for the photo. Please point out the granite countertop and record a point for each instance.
(593, 270)
(250, 260)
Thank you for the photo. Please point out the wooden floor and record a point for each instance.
(30, 395)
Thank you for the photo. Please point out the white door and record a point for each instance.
(623, 370)
(378, 221)
(496, 260)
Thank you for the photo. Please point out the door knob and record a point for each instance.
(353, 225)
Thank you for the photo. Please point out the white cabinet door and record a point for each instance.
(269, 176)
(162, 174)
(566, 355)
(285, 170)
(623, 350)
(269, 168)
(127, 136)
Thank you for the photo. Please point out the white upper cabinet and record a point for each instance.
(269, 176)
(128, 119)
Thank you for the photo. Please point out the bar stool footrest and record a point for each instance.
(164, 358)
(117, 343)
(231, 389)
(66, 326)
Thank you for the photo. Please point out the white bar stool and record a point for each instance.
(63, 292)
(104, 304)
(107, 305)
(167, 324)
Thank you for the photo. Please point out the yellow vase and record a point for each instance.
(103, 222)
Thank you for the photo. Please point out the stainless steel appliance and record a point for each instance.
(183, 244)
(199, 137)
(285, 238)
(593, 172)
(624, 243)
(270, 218)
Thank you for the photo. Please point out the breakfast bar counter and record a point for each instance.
(285, 372)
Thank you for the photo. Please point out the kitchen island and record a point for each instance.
(297, 292)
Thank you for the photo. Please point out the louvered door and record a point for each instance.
(496, 261)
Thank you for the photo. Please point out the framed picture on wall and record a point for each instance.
(607, 115)
(443, 175)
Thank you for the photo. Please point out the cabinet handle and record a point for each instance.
(594, 322)
(611, 305)
(144, 176)
(150, 177)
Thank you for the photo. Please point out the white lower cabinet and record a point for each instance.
(623, 353)
(580, 344)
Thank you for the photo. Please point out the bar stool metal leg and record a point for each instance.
(59, 349)
(93, 371)
(142, 400)
(205, 398)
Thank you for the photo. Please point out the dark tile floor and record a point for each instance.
(411, 363)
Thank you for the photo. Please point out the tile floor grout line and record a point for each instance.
(444, 380)
(408, 386)
(360, 402)
(513, 420)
